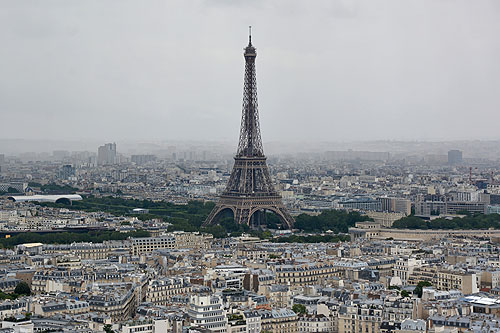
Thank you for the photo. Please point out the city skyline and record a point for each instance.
(359, 70)
(362, 194)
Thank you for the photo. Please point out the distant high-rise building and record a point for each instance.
(141, 159)
(454, 157)
(395, 205)
(60, 155)
(2, 159)
(106, 155)
(66, 171)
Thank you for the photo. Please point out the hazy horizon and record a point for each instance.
(471, 149)
(332, 71)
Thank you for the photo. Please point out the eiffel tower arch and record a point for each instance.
(250, 188)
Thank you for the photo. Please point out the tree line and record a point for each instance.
(69, 237)
(473, 222)
(190, 217)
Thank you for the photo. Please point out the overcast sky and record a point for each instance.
(326, 69)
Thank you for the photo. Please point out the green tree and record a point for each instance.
(404, 293)
(335, 220)
(419, 289)
(12, 190)
(108, 328)
(22, 288)
(299, 309)
(469, 222)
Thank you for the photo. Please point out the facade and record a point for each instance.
(417, 235)
(404, 268)
(193, 240)
(395, 205)
(161, 291)
(117, 302)
(253, 320)
(145, 245)
(360, 318)
(207, 312)
(279, 320)
(385, 219)
(436, 205)
(467, 283)
(315, 323)
(304, 275)
(84, 251)
(106, 155)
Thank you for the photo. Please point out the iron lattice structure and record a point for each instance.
(250, 188)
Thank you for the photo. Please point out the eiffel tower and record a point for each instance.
(250, 191)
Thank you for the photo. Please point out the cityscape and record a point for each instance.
(246, 235)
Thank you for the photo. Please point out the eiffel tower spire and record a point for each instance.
(250, 189)
(250, 143)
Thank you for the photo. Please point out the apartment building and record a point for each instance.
(363, 317)
(404, 267)
(315, 323)
(85, 251)
(466, 282)
(279, 320)
(116, 301)
(303, 275)
(207, 312)
(146, 245)
(161, 291)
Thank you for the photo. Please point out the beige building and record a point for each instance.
(490, 279)
(174, 240)
(146, 245)
(303, 275)
(279, 320)
(161, 291)
(467, 283)
(84, 251)
(365, 230)
(446, 280)
(404, 268)
(116, 301)
(192, 240)
(360, 318)
(385, 219)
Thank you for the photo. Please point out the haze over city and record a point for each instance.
(263, 166)
(172, 70)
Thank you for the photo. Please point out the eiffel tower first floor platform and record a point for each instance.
(244, 207)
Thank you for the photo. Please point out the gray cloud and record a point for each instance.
(327, 70)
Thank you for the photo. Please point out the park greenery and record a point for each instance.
(311, 239)
(478, 221)
(190, 217)
(338, 221)
(22, 289)
(53, 188)
(10, 190)
(419, 288)
(108, 328)
(299, 309)
(69, 237)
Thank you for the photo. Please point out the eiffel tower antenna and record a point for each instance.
(250, 190)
